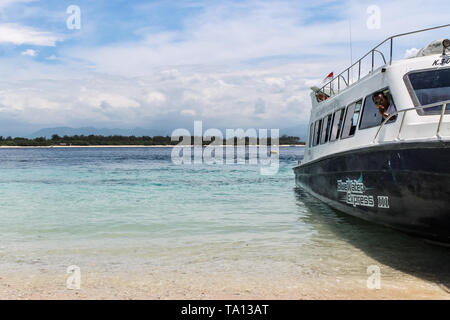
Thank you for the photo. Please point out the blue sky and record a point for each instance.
(164, 64)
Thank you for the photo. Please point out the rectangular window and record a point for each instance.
(431, 87)
(326, 129)
(337, 124)
(317, 129)
(370, 116)
(351, 119)
(311, 134)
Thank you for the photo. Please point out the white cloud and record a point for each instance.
(410, 53)
(230, 33)
(100, 100)
(29, 52)
(237, 64)
(6, 3)
(19, 35)
(156, 98)
(225, 99)
(188, 112)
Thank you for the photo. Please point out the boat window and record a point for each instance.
(311, 134)
(317, 129)
(431, 87)
(351, 119)
(337, 124)
(371, 117)
(326, 129)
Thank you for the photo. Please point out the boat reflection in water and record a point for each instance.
(393, 250)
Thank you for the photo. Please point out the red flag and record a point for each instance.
(328, 76)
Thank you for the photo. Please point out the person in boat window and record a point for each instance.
(384, 104)
(320, 95)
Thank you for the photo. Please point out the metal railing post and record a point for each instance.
(382, 125)
(431, 105)
(390, 54)
(401, 125)
(372, 60)
(444, 106)
(359, 70)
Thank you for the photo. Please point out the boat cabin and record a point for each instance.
(415, 92)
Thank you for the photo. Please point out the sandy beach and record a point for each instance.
(185, 285)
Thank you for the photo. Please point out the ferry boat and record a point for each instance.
(378, 145)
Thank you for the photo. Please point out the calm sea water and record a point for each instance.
(130, 208)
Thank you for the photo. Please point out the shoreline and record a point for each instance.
(132, 146)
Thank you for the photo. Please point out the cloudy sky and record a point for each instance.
(164, 64)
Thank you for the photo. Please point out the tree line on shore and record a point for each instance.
(95, 140)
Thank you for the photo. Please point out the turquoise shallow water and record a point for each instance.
(130, 208)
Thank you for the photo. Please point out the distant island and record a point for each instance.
(116, 140)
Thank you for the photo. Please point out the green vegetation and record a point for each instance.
(93, 140)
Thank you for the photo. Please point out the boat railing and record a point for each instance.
(345, 75)
(404, 111)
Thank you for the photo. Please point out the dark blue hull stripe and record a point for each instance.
(403, 185)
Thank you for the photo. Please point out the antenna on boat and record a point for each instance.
(351, 49)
